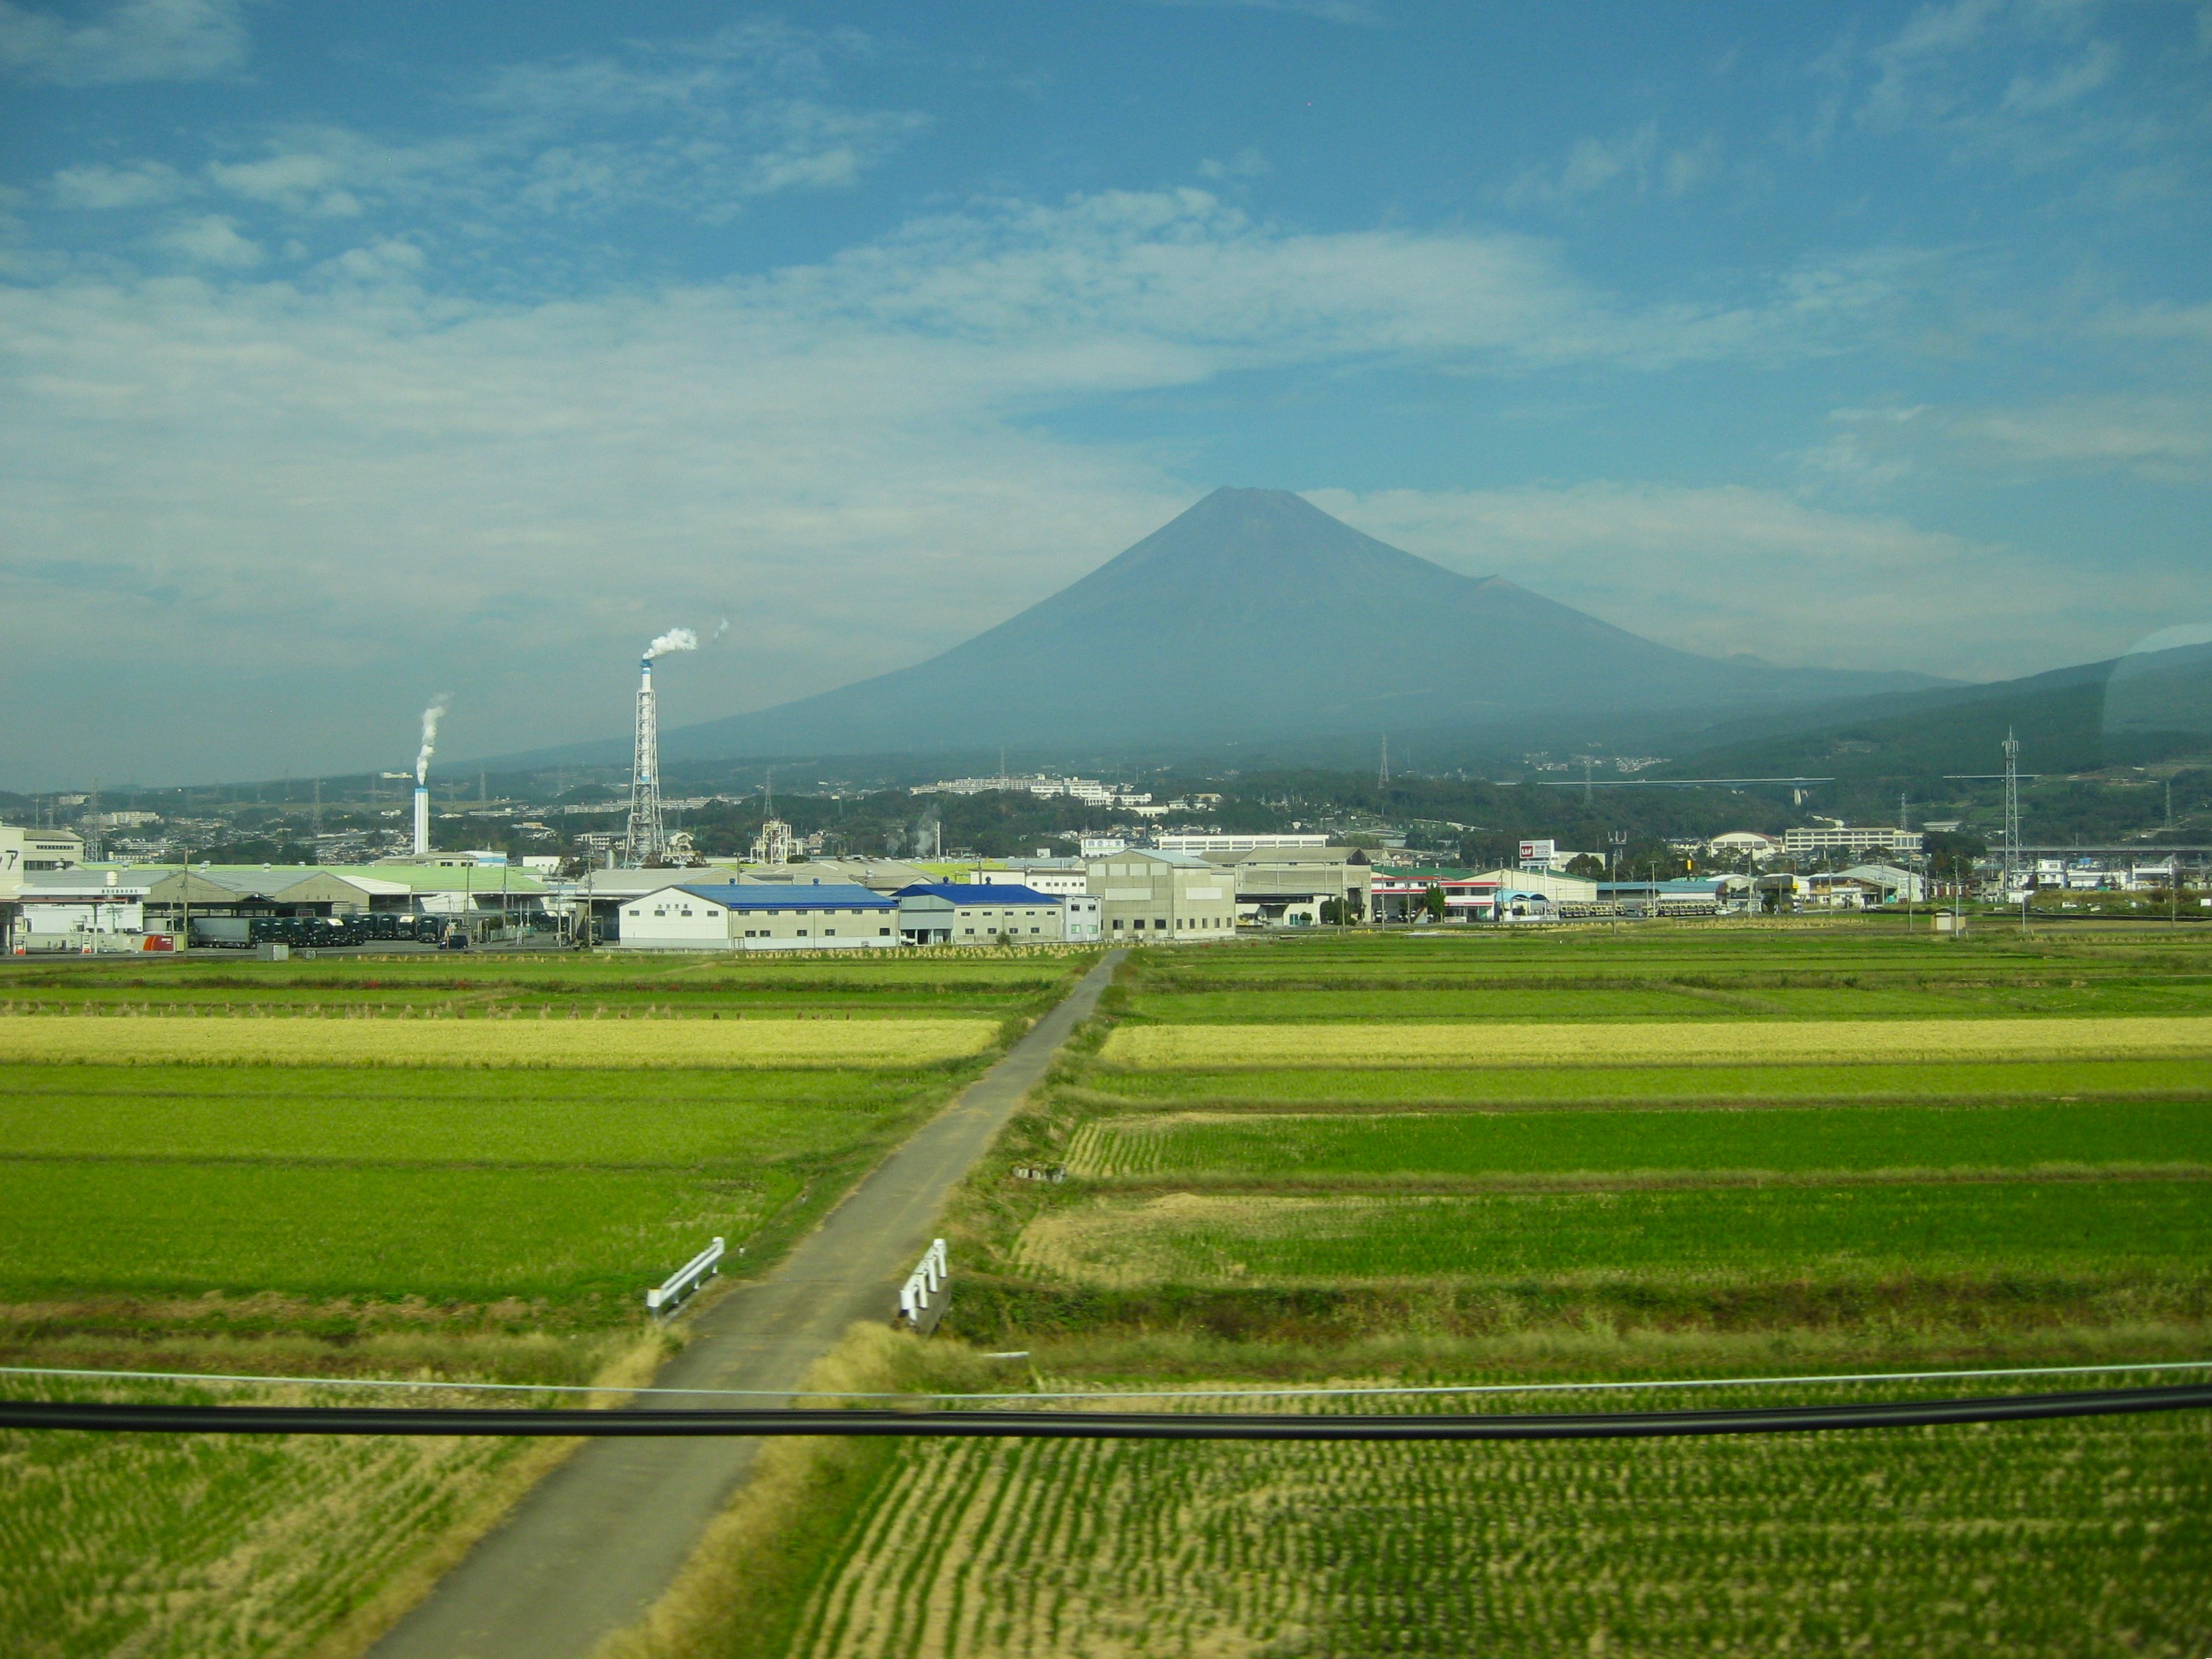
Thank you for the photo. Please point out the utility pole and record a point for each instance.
(1616, 840)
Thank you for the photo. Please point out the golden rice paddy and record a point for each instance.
(565, 1044)
(1721, 1042)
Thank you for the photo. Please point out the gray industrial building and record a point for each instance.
(974, 913)
(811, 915)
(1148, 897)
(1285, 886)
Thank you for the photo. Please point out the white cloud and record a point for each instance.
(844, 453)
(695, 131)
(1246, 163)
(96, 186)
(2156, 438)
(211, 239)
(2161, 438)
(130, 40)
(303, 181)
(1359, 13)
(1726, 568)
(1637, 161)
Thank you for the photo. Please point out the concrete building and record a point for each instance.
(23, 850)
(1287, 886)
(973, 913)
(81, 911)
(758, 916)
(1402, 893)
(1760, 847)
(1147, 897)
(1821, 839)
(1548, 884)
(1693, 896)
(1172, 842)
(1894, 885)
(1062, 877)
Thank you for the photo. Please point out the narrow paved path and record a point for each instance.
(596, 1542)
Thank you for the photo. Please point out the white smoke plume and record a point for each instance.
(431, 716)
(676, 639)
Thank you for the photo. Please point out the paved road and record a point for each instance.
(594, 1543)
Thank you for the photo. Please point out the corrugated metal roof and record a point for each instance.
(968, 892)
(760, 895)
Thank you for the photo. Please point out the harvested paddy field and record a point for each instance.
(490, 1041)
(2051, 1539)
(1569, 1155)
(447, 1170)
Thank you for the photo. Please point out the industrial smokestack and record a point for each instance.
(431, 716)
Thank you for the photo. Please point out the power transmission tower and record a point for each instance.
(1383, 772)
(2011, 811)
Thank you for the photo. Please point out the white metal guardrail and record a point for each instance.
(662, 1299)
(922, 1298)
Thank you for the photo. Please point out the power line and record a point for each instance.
(1587, 783)
(1090, 1425)
(1638, 1385)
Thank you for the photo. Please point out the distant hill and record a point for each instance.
(2132, 710)
(1255, 615)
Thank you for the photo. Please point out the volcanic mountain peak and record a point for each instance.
(1256, 614)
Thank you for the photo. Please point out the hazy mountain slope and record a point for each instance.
(1256, 614)
(2131, 710)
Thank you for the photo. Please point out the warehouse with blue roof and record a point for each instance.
(815, 915)
(979, 912)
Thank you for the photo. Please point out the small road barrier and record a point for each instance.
(926, 1290)
(663, 1298)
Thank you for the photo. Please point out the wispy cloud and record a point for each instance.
(852, 443)
(2162, 437)
(691, 131)
(1728, 568)
(95, 187)
(130, 41)
(1637, 161)
(1359, 13)
(211, 239)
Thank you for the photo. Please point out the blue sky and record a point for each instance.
(352, 354)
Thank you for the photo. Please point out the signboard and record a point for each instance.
(1538, 852)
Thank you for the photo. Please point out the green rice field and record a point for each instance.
(1933, 1082)
(1418, 1146)
(2023, 1229)
(460, 1221)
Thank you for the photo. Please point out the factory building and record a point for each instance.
(1284, 882)
(973, 913)
(1147, 897)
(814, 915)
(1840, 838)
